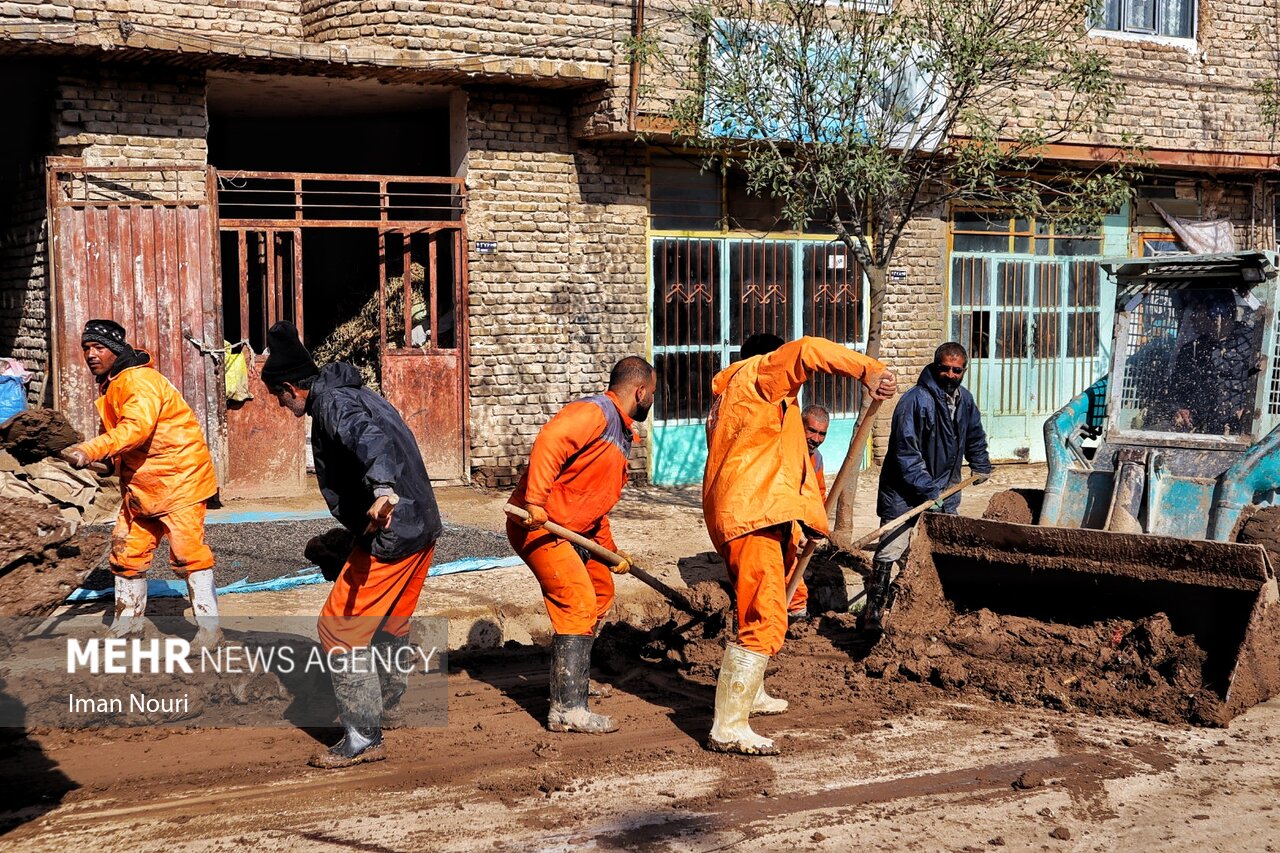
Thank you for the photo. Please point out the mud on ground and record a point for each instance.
(41, 560)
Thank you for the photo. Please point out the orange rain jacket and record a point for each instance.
(153, 435)
(758, 468)
(578, 465)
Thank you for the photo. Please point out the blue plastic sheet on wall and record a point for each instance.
(13, 397)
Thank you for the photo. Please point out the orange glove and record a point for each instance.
(537, 517)
(623, 567)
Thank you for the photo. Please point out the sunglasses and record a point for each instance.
(948, 369)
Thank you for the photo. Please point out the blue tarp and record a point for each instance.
(174, 588)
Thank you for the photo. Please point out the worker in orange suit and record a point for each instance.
(576, 472)
(166, 477)
(760, 497)
(816, 420)
(371, 475)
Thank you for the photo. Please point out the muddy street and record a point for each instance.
(885, 761)
(906, 770)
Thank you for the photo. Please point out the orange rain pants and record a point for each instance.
(577, 594)
(135, 538)
(760, 565)
(372, 597)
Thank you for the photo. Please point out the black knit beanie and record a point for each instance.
(287, 359)
(108, 333)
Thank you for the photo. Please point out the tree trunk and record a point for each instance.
(876, 278)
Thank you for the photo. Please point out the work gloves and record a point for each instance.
(623, 567)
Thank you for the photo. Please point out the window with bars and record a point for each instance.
(709, 294)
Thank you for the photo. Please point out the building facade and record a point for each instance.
(458, 193)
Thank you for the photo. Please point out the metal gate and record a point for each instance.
(422, 344)
(268, 443)
(135, 245)
(418, 222)
(1035, 311)
(709, 294)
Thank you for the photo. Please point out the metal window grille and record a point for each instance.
(709, 294)
(1153, 325)
(1273, 390)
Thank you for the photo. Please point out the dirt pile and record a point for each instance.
(30, 469)
(43, 557)
(1115, 666)
(1015, 506)
(37, 433)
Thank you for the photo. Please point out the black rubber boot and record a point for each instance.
(359, 698)
(570, 665)
(393, 679)
(871, 619)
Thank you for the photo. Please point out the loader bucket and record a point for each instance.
(1102, 595)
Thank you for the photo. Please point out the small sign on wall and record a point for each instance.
(836, 262)
(897, 275)
(486, 247)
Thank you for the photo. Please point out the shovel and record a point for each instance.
(611, 559)
(912, 513)
(847, 471)
(854, 547)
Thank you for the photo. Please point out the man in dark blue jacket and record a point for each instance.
(936, 426)
(372, 477)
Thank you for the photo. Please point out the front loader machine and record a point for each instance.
(1132, 568)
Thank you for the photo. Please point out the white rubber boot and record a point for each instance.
(766, 705)
(741, 677)
(204, 606)
(131, 607)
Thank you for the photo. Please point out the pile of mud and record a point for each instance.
(1015, 506)
(693, 644)
(36, 434)
(31, 470)
(43, 557)
(1115, 666)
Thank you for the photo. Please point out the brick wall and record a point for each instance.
(277, 18)
(565, 295)
(24, 301)
(578, 30)
(134, 116)
(915, 309)
(1197, 99)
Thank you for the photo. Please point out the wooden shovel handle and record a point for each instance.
(610, 559)
(852, 459)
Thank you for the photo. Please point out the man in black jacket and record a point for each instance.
(936, 426)
(372, 477)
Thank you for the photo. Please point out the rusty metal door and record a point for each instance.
(267, 443)
(424, 342)
(136, 245)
